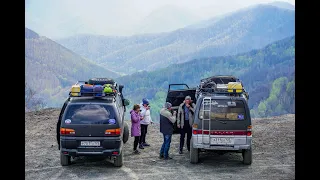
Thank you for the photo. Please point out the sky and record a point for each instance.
(63, 18)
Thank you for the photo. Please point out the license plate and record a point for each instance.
(222, 141)
(90, 143)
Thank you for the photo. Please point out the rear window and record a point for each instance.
(222, 110)
(89, 114)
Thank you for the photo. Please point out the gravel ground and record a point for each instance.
(273, 155)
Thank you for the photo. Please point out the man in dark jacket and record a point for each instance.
(185, 121)
(167, 119)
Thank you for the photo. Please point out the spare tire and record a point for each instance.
(101, 81)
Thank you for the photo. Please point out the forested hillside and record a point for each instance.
(241, 31)
(258, 69)
(51, 68)
(281, 99)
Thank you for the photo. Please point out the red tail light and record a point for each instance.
(112, 132)
(249, 130)
(67, 131)
(115, 152)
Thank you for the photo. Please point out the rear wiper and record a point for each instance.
(221, 121)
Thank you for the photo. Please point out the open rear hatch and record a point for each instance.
(176, 95)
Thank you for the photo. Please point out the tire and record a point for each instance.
(247, 156)
(118, 162)
(125, 132)
(101, 81)
(194, 153)
(65, 160)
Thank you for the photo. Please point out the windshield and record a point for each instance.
(222, 110)
(89, 114)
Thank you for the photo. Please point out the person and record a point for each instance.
(146, 120)
(185, 121)
(167, 119)
(135, 126)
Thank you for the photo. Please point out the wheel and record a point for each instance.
(65, 160)
(125, 133)
(194, 153)
(118, 162)
(247, 156)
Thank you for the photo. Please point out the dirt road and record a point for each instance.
(273, 155)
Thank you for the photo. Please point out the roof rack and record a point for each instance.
(91, 94)
(78, 91)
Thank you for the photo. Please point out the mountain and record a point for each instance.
(166, 18)
(258, 69)
(241, 31)
(284, 5)
(51, 68)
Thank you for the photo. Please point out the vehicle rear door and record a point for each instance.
(228, 123)
(90, 123)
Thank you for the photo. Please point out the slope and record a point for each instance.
(51, 68)
(166, 18)
(257, 69)
(241, 31)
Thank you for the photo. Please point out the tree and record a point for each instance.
(32, 101)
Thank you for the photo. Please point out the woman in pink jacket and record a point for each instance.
(135, 126)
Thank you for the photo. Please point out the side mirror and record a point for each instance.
(126, 102)
(120, 88)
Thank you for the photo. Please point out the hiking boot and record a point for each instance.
(167, 158)
(180, 151)
(161, 156)
(141, 146)
(146, 144)
(136, 152)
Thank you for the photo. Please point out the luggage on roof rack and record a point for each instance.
(83, 88)
(226, 85)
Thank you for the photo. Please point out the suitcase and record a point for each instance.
(235, 87)
(75, 90)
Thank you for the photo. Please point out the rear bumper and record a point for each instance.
(224, 148)
(240, 143)
(109, 146)
(77, 152)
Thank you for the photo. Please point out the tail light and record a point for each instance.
(67, 131)
(249, 130)
(113, 132)
(195, 126)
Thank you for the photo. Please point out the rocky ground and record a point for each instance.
(273, 155)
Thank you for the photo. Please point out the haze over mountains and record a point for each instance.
(255, 43)
(237, 32)
(51, 68)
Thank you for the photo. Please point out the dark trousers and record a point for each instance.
(136, 142)
(166, 145)
(186, 129)
(144, 129)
